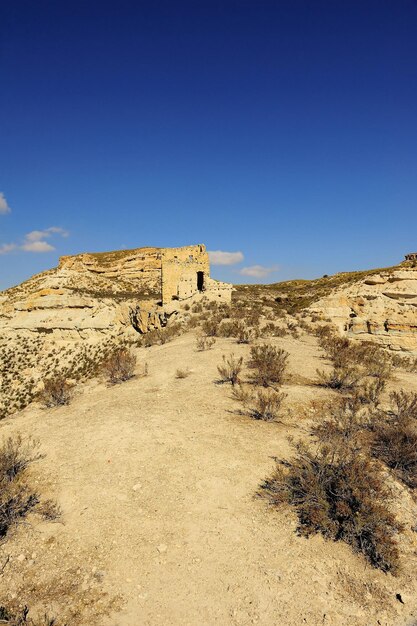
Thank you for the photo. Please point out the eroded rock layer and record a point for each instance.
(111, 292)
(381, 307)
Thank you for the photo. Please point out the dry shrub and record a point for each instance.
(210, 326)
(272, 330)
(403, 404)
(244, 334)
(16, 498)
(342, 378)
(151, 338)
(261, 404)
(49, 510)
(265, 404)
(120, 366)
(407, 363)
(346, 354)
(230, 369)
(395, 443)
(56, 392)
(228, 328)
(341, 495)
(268, 364)
(369, 392)
(20, 617)
(342, 423)
(169, 333)
(204, 343)
(182, 373)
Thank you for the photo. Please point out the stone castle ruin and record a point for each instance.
(412, 256)
(165, 274)
(92, 294)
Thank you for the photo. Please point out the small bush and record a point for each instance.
(204, 343)
(20, 617)
(49, 510)
(230, 369)
(16, 498)
(370, 392)
(268, 364)
(341, 378)
(56, 392)
(345, 423)
(169, 333)
(344, 497)
(395, 443)
(151, 338)
(265, 404)
(120, 366)
(209, 327)
(404, 405)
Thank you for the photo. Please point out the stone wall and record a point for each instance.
(180, 268)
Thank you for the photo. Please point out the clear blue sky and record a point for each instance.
(282, 129)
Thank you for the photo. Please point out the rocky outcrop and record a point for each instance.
(382, 307)
(124, 291)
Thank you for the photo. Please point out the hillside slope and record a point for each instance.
(377, 305)
(157, 479)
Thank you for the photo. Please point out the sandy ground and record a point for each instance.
(157, 480)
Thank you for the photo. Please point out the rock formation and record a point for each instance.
(127, 290)
(382, 307)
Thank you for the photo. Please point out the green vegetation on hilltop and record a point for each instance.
(296, 295)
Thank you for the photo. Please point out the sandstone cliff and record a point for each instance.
(381, 307)
(110, 292)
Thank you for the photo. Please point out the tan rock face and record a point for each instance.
(381, 308)
(110, 292)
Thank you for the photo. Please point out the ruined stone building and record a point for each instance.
(92, 294)
(164, 274)
(411, 257)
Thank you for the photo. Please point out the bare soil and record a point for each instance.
(157, 479)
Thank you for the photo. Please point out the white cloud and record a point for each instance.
(258, 271)
(37, 246)
(5, 248)
(35, 241)
(4, 207)
(218, 257)
(39, 235)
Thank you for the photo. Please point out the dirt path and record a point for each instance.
(157, 478)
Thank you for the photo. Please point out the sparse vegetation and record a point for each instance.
(120, 365)
(56, 392)
(395, 443)
(265, 404)
(203, 342)
(17, 498)
(230, 369)
(344, 497)
(342, 378)
(268, 364)
(20, 617)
